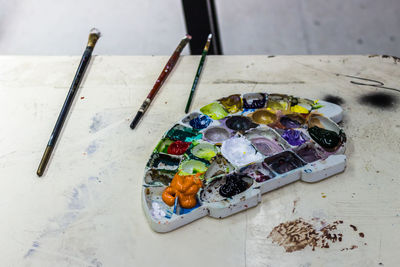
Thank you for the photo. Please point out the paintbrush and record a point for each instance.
(93, 37)
(199, 69)
(161, 79)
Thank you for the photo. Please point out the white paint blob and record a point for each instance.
(157, 212)
(239, 151)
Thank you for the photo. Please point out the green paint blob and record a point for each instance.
(214, 110)
(163, 161)
(182, 133)
(325, 138)
(190, 167)
(163, 145)
(205, 151)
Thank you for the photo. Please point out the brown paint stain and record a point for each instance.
(82, 97)
(294, 205)
(298, 234)
(354, 227)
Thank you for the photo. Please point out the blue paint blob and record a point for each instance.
(254, 100)
(200, 122)
(180, 210)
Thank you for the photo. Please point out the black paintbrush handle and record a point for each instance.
(136, 120)
(70, 97)
(64, 110)
(93, 37)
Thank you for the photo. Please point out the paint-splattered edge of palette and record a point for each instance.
(310, 172)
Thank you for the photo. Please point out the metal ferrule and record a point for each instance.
(145, 105)
(93, 37)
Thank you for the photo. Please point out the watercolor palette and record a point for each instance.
(220, 159)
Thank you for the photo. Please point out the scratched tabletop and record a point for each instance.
(86, 210)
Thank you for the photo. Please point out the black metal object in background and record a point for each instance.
(201, 20)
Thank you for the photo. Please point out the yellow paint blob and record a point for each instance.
(232, 103)
(277, 105)
(299, 109)
(263, 116)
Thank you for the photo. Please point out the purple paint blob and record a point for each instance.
(284, 162)
(266, 146)
(289, 123)
(258, 172)
(294, 137)
(308, 154)
(200, 122)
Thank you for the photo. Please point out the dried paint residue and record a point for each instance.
(298, 234)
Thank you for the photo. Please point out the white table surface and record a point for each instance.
(86, 210)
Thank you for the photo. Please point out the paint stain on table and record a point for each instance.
(334, 99)
(294, 205)
(395, 59)
(91, 149)
(96, 123)
(299, 234)
(379, 100)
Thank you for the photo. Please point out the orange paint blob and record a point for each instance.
(185, 188)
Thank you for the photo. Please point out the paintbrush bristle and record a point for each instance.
(95, 31)
(209, 36)
(188, 37)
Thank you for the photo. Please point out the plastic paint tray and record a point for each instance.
(261, 166)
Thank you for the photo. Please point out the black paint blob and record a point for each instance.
(240, 123)
(325, 138)
(379, 100)
(233, 186)
(334, 99)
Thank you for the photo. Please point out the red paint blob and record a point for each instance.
(178, 147)
(82, 97)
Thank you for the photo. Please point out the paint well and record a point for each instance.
(239, 123)
(232, 103)
(294, 137)
(216, 134)
(254, 100)
(258, 172)
(214, 110)
(263, 116)
(239, 151)
(266, 146)
(284, 162)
